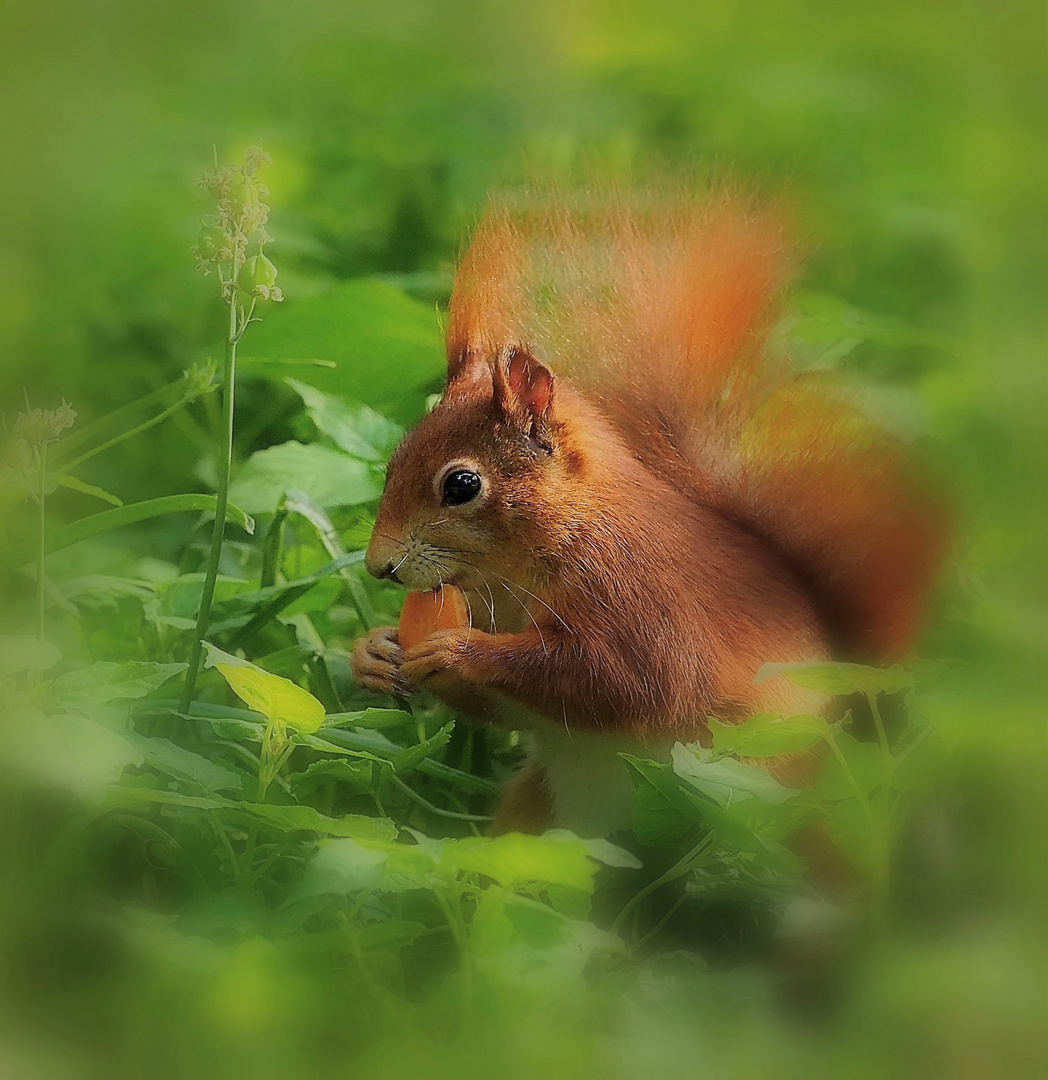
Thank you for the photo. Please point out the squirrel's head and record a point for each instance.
(467, 493)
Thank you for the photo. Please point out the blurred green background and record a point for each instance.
(909, 138)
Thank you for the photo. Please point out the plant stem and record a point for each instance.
(206, 597)
(130, 433)
(40, 607)
(681, 866)
(878, 720)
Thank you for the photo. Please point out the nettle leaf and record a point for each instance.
(347, 866)
(104, 682)
(358, 774)
(275, 697)
(353, 427)
(414, 755)
(306, 819)
(726, 780)
(513, 859)
(66, 751)
(661, 812)
(329, 477)
(834, 678)
(598, 848)
(766, 735)
(173, 760)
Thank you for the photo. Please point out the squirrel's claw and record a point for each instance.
(441, 654)
(376, 662)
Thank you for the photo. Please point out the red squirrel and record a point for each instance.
(641, 498)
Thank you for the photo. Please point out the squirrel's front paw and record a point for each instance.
(376, 662)
(443, 656)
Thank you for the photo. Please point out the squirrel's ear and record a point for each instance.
(524, 390)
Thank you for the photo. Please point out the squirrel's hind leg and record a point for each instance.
(526, 805)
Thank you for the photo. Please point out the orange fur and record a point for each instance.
(672, 507)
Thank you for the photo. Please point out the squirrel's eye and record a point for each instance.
(460, 487)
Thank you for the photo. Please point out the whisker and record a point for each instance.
(524, 608)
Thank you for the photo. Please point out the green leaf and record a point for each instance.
(329, 477)
(277, 698)
(346, 866)
(74, 484)
(358, 774)
(661, 812)
(387, 346)
(104, 682)
(411, 757)
(306, 819)
(513, 859)
(766, 735)
(355, 428)
(23, 653)
(66, 751)
(865, 762)
(281, 818)
(173, 760)
(833, 678)
(376, 719)
(108, 520)
(598, 848)
(375, 743)
(726, 780)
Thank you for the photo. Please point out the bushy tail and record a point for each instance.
(663, 309)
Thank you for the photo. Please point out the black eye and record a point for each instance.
(460, 486)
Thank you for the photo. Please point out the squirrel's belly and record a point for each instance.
(588, 782)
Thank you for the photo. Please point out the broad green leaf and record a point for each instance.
(104, 682)
(329, 477)
(65, 751)
(281, 818)
(386, 346)
(355, 428)
(276, 698)
(662, 814)
(766, 735)
(513, 859)
(725, 780)
(174, 760)
(108, 520)
(833, 678)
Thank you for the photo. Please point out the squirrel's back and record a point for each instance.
(660, 311)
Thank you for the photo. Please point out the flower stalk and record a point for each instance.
(244, 280)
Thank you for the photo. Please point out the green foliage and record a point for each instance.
(196, 889)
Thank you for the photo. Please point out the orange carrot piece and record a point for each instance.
(424, 613)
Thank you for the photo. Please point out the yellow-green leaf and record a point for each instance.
(275, 697)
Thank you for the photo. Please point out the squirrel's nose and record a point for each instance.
(387, 570)
(379, 560)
